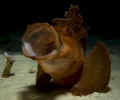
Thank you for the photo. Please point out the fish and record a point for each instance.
(60, 51)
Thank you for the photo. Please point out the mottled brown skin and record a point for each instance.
(95, 73)
(60, 51)
(42, 79)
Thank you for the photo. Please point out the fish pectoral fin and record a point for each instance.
(42, 79)
(95, 71)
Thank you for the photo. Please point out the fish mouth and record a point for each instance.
(41, 42)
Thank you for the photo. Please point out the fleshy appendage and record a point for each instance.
(95, 71)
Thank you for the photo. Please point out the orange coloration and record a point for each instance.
(59, 51)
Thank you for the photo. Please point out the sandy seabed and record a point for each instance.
(20, 84)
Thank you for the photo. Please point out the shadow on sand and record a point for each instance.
(32, 93)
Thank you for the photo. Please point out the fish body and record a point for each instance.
(60, 53)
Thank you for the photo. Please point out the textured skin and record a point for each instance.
(96, 71)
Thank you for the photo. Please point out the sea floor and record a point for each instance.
(20, 84)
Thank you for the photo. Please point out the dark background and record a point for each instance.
(101, 17)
